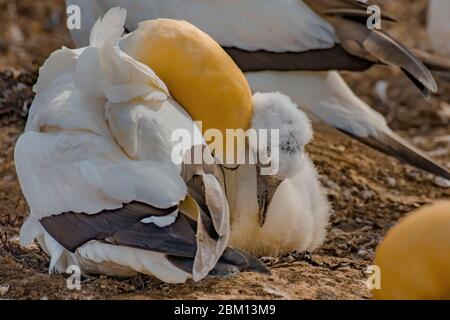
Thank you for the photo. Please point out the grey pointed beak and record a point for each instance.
(267, 186)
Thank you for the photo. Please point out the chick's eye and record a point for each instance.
(290, 145)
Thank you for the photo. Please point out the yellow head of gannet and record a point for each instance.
(414, 257)
(199, 73)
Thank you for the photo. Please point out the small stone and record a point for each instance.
(380, 89)
(367, 194)
(165, 289)
(341, 148)
(441, 182)
(392, 182)
(4, 290)
(362, 252)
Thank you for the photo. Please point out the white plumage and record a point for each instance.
(325, 95)
(87, 149)
(243, 24)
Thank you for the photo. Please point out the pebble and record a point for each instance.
(380, 89)
(391, 181)
(4, 290)
(165, 289)
(16, 35)
(362, 252)
(441, 182)
(367, 194)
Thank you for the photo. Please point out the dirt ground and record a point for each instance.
(369, 191)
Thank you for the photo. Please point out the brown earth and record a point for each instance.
(369, 191)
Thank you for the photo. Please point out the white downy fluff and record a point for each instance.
(299, 212)
(296, 219)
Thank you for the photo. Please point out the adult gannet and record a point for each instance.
(276, 42)
(95, 161)
(96, 167)
(438, 26)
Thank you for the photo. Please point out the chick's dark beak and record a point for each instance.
(266, 188)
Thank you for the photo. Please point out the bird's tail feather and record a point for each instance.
(392, 144)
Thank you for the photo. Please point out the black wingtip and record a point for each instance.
(390, 51)
(426, 92)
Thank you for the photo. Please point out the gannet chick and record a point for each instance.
(283, 208)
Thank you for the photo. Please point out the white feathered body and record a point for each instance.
(94, 141)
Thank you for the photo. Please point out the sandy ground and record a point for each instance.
(369, 191)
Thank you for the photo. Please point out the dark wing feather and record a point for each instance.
(123, 227)
(72, 230)
(231, 262)
(194, 245)
(335, 58)
(177, 239)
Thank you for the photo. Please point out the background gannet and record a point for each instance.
(294, 36)
(95, 167)
(438, 26)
